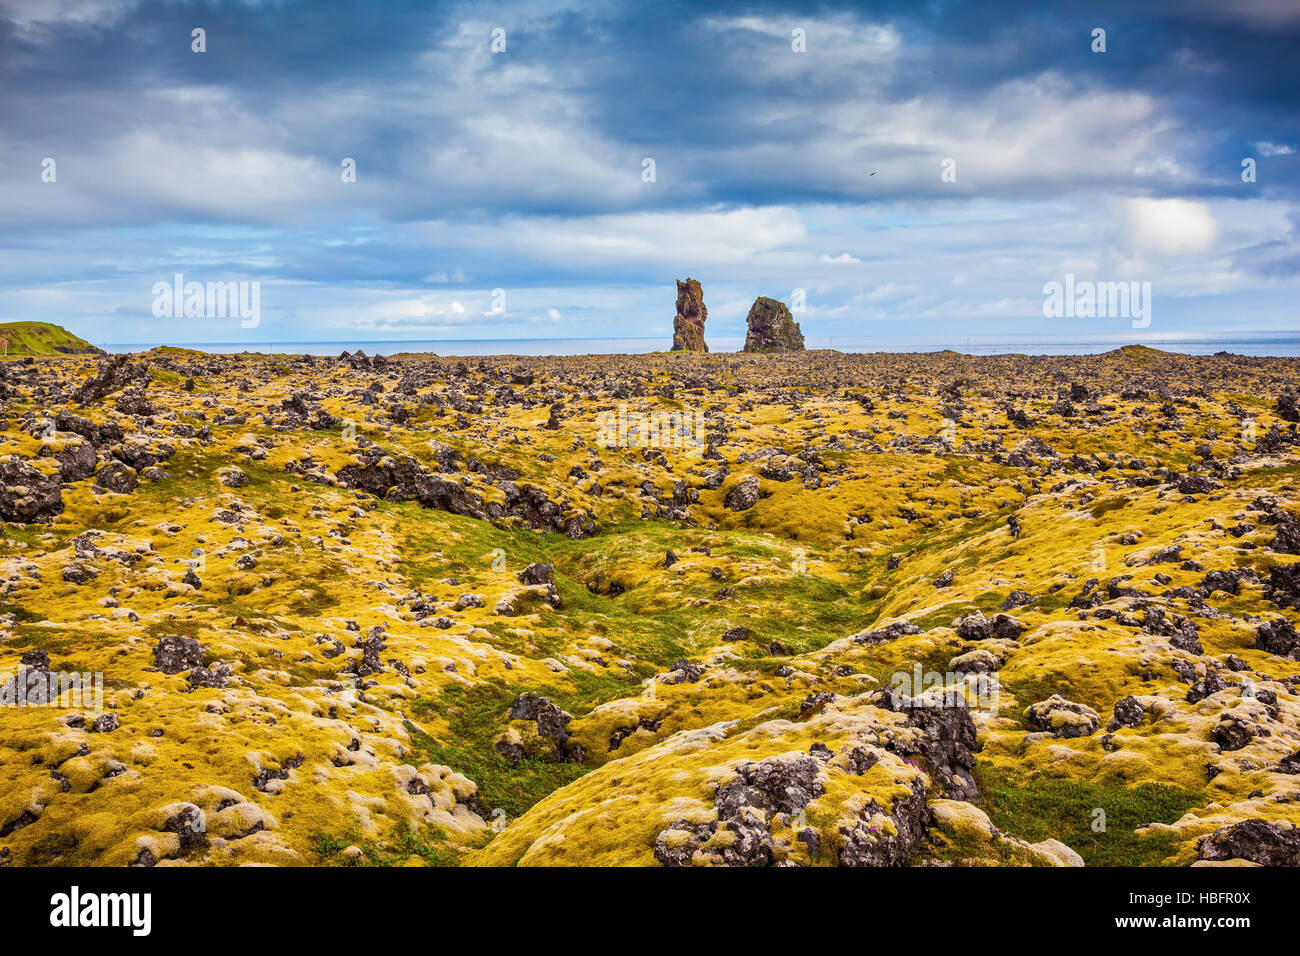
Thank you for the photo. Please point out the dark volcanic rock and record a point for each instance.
(772, 328)
(552, 724)
(1233, 733)
(115, 373)
(865, 845)
(1063, 718)
(133, 401)
(745, 807)
(890, 632)
(171, 655)
(26, 494)
(1283, 586)
(1128, 713)
(1259, 842)
(537, 574)
(1278, 637)
(688, 324)
(949, 746)
(1287, 409)
(117, 477)
(744, 496)
(77, 461)
(976, 627)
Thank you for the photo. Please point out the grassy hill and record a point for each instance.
(41, 338)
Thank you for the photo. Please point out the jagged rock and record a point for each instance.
(890, 632)
(771, 328)
(77, 461)
(1268, 844)
(116, 372)
(233, 477)
(1017, 599)
(744, 496)
(552, 725)
(79, 573)
(105, 723)
(688, 324)
(868, 845)
(1228, 581)
(1278, 637)
(1234, 732)
(745, 807)
(976, 627)
(948, 746)
(1287, 539)
(1194, 485)
(173, 654)
(1207, 686)
(28, 495)
(1282, 586)
(218, 675)
(775, 785)
(683, 671)
(1128, 713)
(1063, 718)
(134, 401)
(537, 574)
(117, 477)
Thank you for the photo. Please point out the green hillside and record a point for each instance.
(41, 338)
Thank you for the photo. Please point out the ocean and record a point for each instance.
(1263, 343)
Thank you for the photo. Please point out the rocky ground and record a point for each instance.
(417, 611)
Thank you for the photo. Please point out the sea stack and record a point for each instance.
(688, 325)
(772, 328)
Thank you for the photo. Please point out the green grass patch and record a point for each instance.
(1040, 808)
(477, 717)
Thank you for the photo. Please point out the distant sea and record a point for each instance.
(1263, 343)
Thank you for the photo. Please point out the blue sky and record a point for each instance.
(522, 170)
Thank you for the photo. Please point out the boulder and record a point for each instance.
(26, 494)
(1063, 718)
(744, 496)
(173, 654)
(1268, 844)
(1278, 637)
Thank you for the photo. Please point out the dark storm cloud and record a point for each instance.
(690, 84)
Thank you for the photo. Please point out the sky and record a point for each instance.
(547, 170)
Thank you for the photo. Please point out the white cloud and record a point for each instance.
(31, 17)
(1161, 229)
(688, 239)
(1274, 149)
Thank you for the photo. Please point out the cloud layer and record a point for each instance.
(916, 169)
